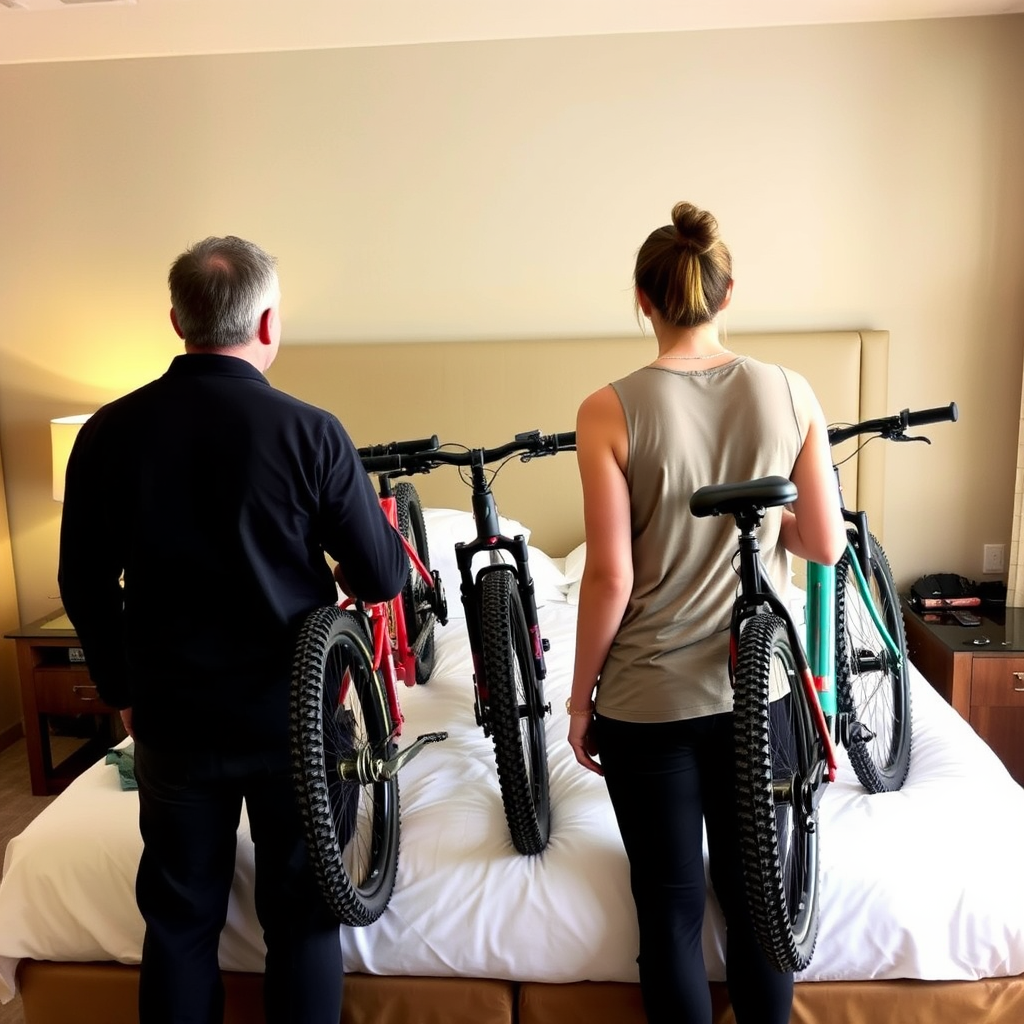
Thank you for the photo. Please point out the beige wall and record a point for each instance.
(10, 706)
(865, 176)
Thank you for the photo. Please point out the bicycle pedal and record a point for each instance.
(433, 737)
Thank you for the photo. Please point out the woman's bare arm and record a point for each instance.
(601, 448)
(814, 528)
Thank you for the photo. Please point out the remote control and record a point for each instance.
(965, 618)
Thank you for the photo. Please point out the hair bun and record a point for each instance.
(698, 229)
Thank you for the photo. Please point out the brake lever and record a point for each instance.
(539, 453)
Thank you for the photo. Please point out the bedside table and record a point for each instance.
(984, 681)
(55, 682)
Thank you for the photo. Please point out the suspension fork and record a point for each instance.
(485, 517)
(860, 563)
(859, 521)
(869, 602)
(488, 530)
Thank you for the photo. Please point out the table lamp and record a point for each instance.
(63, 432)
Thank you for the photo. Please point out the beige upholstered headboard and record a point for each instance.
(483, 393)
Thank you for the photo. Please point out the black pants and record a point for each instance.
(189, 808)
(663, 779)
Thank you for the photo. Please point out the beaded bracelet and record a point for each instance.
(569, 710)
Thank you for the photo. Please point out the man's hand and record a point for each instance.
(126, 721)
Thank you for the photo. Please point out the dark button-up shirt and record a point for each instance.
(216, 496)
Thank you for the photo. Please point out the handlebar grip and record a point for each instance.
(425, 444)
(940, 415)
(381, 463)
(566, 441)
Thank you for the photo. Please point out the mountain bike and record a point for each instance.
(791, 704)
(504, 633)
(346, 719)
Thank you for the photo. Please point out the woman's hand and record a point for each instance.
(584, 742)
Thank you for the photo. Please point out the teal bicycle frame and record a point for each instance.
(821, 619)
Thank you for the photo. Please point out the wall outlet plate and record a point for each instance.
(994, 559)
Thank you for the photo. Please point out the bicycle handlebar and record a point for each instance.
(424, 444)
(894, 427)
(407, 457)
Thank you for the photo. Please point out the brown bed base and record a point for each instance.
(105, 993)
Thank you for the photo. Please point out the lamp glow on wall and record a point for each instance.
(63, 432)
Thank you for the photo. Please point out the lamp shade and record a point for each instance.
(63, 432)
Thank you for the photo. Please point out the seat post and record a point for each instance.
(750, 564)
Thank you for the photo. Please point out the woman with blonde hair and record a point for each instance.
(651, 703)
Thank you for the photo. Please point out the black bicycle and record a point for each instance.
(849, 684)
(501, 619)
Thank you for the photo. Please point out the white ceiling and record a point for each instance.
(54, 30)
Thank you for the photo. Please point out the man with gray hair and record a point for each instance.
(214, 497)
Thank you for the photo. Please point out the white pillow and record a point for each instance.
(447, 526)
(574, 562)
(796, 601)
(549, 582)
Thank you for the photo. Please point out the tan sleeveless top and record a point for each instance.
(687, 429)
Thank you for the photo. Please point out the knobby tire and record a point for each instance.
(515, 712)
(352, 828)
(777, 749)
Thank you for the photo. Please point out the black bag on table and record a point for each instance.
(944, 590)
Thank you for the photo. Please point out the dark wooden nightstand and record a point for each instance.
(55, 683)
(979, 670)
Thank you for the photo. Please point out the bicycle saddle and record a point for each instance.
(722, 499)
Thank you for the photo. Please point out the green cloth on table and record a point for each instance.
(124, 758)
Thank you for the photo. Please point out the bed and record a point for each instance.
(923, 903)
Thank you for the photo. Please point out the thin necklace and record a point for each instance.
(710, 355)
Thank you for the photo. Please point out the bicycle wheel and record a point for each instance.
(515, 711)
(340, 736)
(873, 687)
(419, 617)
(779, 769)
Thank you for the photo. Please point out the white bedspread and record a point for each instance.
(924, 883)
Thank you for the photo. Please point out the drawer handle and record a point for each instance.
(1019, 676)
(77, 691)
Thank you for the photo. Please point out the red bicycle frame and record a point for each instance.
(393, 657)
